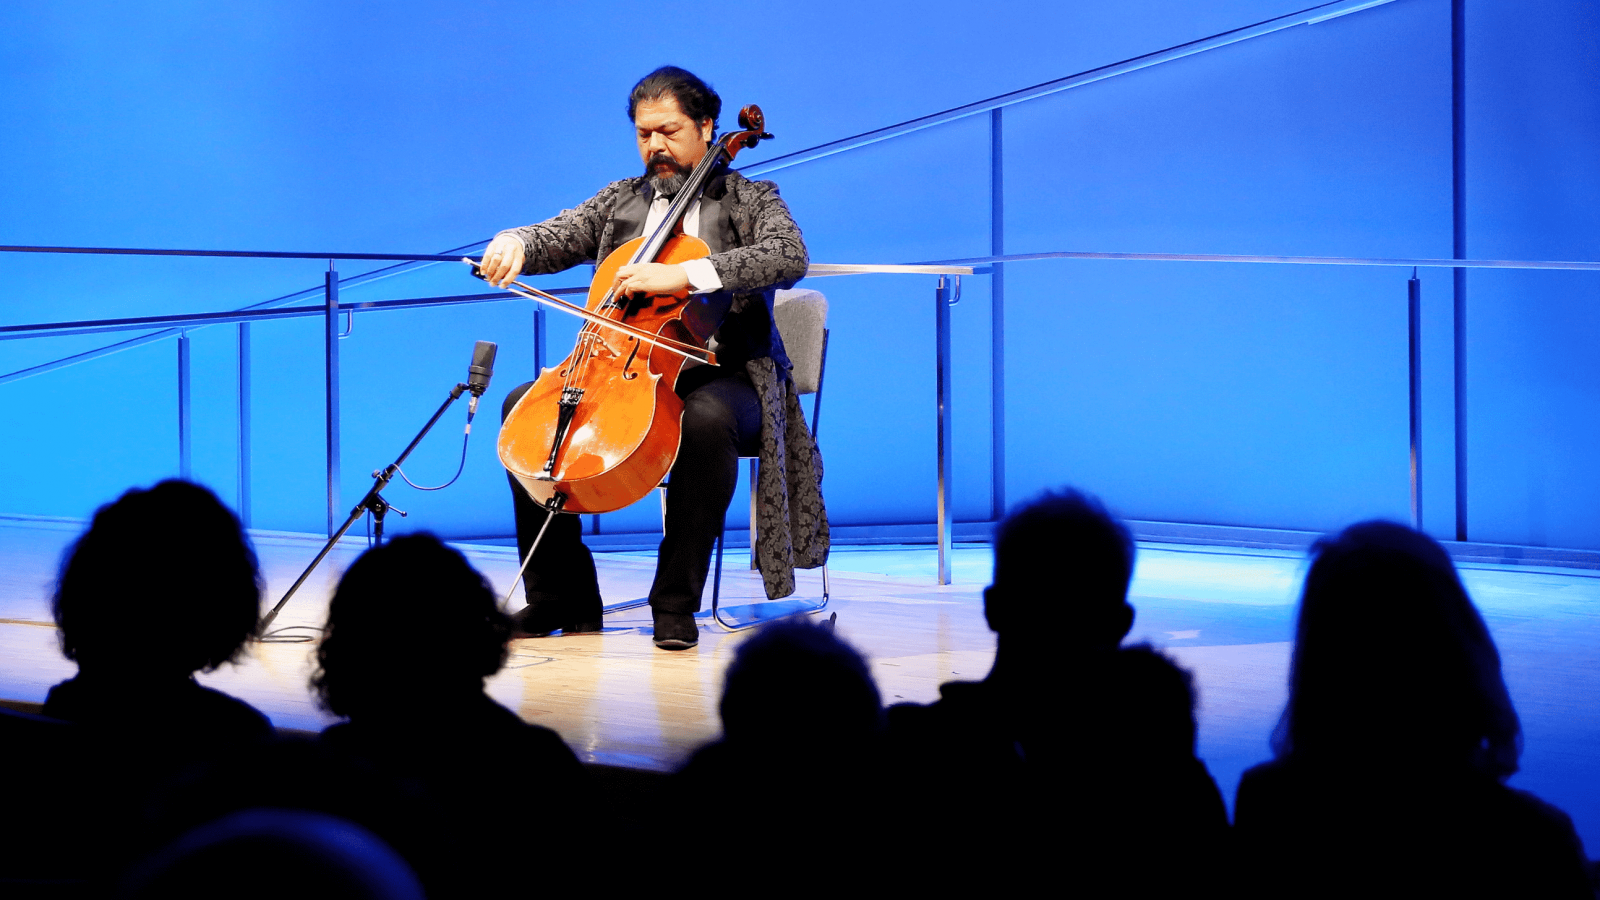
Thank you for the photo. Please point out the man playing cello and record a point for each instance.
(743, 405)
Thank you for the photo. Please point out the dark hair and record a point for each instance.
(305, 847)
(412, 584)
(696, 98)
(1062, 543)
(1150, 700)
(796, 682)
(1391, 657)
(172, 551)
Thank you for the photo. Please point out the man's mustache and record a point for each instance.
(662, 159)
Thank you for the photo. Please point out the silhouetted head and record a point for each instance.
(1392, 662)
(172, 558)
(1061, 570)
(411, 585)
(795, 686)
(283, 851)
(1150, 700)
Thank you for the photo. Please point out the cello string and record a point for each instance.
(590, 334)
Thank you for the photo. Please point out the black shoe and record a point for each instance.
(526, 622)
(675, 631)
(546, 614)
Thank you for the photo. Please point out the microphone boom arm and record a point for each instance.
(372, 501)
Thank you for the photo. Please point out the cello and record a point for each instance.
(600, 430)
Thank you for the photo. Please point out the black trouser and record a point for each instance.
(721, 422)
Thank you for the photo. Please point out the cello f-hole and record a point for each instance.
(627, 367)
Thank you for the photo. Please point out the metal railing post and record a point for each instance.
(1414, 340)
(538, 341)
(997, 318)
(330, 345)
(185, 423)
(244, 423)
(941, 303)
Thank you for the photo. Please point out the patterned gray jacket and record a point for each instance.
(756, 249)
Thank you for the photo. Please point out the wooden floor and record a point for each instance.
(1225, 614)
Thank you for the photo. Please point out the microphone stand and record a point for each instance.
(374, 501)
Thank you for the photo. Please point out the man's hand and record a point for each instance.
(651, 278)
(502, 261)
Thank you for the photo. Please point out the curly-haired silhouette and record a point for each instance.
(1395, 740)
(411, 585)
(176, 561)
(412, 632)
(176, 554)
(1066, 721)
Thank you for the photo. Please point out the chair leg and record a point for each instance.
(753, 473)
(716, 613)
(716, 582)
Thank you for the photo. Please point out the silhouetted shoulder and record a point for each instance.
(965, 727)
(1462, 834)
(1544, 838)
(475, 726)
(22, 730)
(169, 709)
(957, 700)
(43, 797)
(531, 744)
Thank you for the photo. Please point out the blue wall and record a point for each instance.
(1533, 191)
(1229, 394)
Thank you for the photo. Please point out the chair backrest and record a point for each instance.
(802, 320)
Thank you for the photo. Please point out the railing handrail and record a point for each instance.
(247, 254)
(179, 320)
(957, 266)
(82, 356)
(1406, 262)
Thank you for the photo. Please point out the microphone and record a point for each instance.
(479, 373)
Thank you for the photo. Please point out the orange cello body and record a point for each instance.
(623, 436)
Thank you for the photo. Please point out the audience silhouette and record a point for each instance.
(421, 718)
(175, 561)
(1073, 759)
(1071, 765)
(45, 761)
(173, 553)
(283, 851)
(1392, 749)
(799, 759)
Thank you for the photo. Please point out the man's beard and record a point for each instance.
(670, 184)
